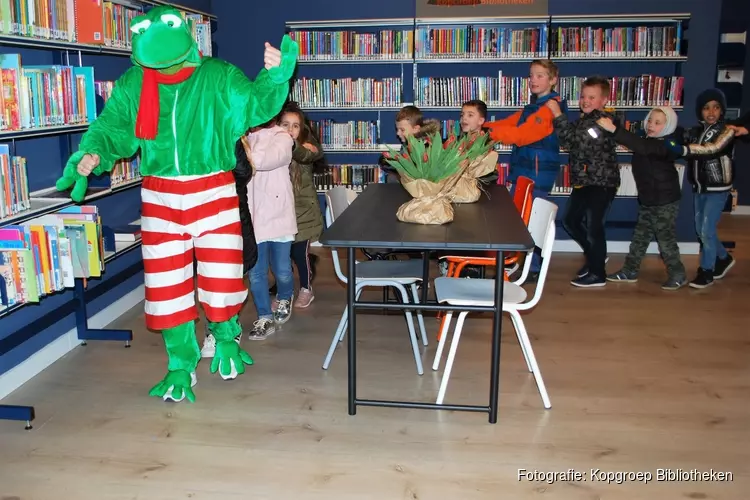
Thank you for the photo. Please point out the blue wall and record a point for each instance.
(46, 157)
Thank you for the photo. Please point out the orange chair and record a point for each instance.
(523, 198)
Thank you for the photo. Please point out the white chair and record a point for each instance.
(398, 274)
(462, 292)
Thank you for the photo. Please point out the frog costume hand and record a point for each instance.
(185, 112)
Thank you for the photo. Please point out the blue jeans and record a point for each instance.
(708, 209)
(279, 257)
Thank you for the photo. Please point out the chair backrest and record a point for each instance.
(338, 199)
(523, 197)
(542, 228)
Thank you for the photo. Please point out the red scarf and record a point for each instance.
(147, 122)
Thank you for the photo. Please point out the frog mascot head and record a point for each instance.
(190, 205)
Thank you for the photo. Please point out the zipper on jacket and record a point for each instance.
(174, 131)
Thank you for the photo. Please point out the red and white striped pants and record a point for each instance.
(179, 217)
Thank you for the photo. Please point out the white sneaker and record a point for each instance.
(209, 346)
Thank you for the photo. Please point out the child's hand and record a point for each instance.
(310, 147)
(606, 123)
(738, 131)
(554, 106)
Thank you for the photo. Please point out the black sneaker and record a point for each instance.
(675, 283)
(723, 266)
(585, 269)
(703, 279)
(588, 281)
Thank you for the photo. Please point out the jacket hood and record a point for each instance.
(428, 128)
(671, 124)
(707, 96)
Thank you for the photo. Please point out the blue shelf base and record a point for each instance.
(84, 332)
(21, 413)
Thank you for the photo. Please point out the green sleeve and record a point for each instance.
(258, 101)
(112, 135)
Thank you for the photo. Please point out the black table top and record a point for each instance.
(492, 223)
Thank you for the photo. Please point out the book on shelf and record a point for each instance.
(633, 41)
(640, 91)
(14, 184)
(125, 170)
(90, 22)
(348, 135)
(45, 255)
(388, 44)
(481, 42)
(514, 92)
(627, 181)
(347, 92)
(44, 96)
(355, 177)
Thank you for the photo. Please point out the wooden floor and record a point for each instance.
(640, 380)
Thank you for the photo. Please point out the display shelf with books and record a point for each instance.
(355, 177)
(348, 93)
(375, 41)
(477, 40)
(618, 38)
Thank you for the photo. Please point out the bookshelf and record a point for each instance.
(458, 59)
(63, 42)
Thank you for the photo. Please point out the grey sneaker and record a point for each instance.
(262, 329)
(283, 311)
(623, 277)
(673, 284)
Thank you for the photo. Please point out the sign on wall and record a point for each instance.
(481, 8)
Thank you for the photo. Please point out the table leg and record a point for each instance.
(425, 276)
(351, 284)
(497, 325)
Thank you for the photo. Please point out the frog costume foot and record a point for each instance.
(176, 386)
(230, 359)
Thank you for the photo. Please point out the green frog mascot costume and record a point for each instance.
(185, 112)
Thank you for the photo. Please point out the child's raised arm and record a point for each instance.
(535, 128)
(565, 129)
(667, 150)
(714, 149)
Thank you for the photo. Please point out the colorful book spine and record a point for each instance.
(347, 92)
(478, 42)
(355, 177)
(354, 46)
(348, 135)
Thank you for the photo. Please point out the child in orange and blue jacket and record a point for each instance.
(531, 132)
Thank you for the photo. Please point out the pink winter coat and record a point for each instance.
(269, 192)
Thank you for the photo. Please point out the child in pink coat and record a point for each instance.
(271, 200)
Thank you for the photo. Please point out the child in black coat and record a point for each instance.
(243, 172)
(659, 193)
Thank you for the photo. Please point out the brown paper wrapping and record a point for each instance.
(435, 209)
(467, 188)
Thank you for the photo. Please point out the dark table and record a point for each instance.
(491, 224)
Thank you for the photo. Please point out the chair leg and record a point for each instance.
(524, 337)
(517, 328)
(443, 332)
(340, 333)
(412, 333)
(451, 356)
(420, 317)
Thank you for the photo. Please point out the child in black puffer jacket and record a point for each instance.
(243, 172)
(659, 193)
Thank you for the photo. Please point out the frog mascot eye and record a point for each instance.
(161, 39)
